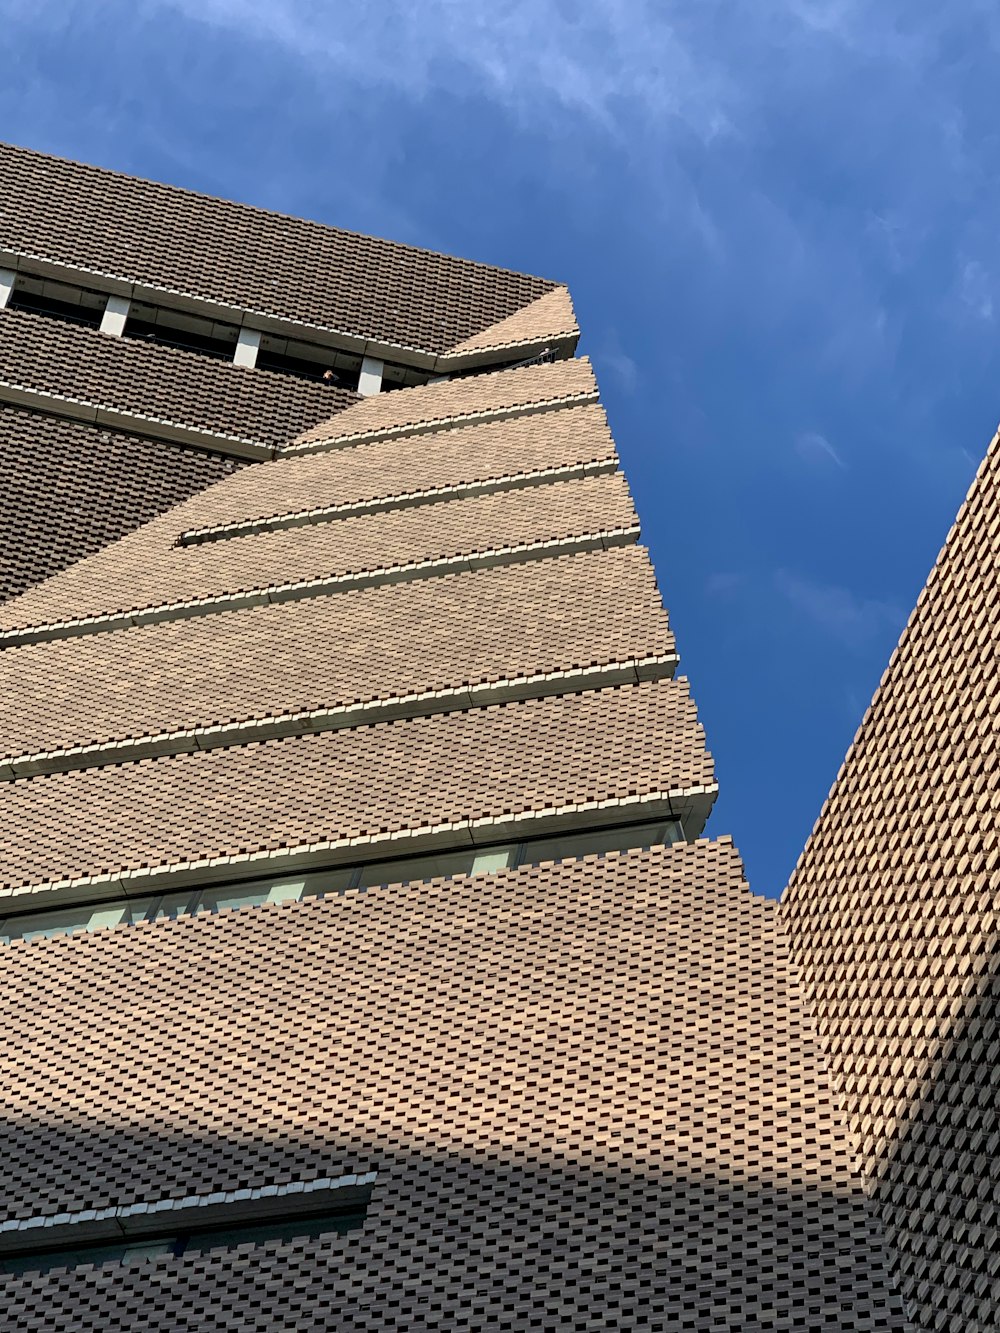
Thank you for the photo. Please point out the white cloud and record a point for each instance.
(611, 60)
(855, 622)
(813, 447)
(613, 355)
(975, 290)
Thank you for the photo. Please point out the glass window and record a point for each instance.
(469, 861)
(170, 905)
(70, 921)
(664, 832)
(416, 867)
(494, 858)
(255, 893)
(139, 1251)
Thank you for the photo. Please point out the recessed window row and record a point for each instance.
(123, 1251)
(168, 327)
(83, 917)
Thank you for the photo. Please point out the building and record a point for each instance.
(892, 914)
(364, 965)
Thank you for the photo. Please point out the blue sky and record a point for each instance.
(777, 221)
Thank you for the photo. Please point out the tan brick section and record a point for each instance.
(70, 488)
(413, 463)
(411, 774)
(157, 384)
(549, 320)
(589, 1090)
(454, 400)
(466, 629)
(141, 571)
(892, 915)
(184, 243)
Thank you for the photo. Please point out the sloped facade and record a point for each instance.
(891, 914)
(365, 964)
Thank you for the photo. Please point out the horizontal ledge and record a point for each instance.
(264, 321)
(164, 1217)
(490, 558)
(451, 422)
(558, 344)
(93, 414)
(315, 721)
(513, 481)
(689, 805)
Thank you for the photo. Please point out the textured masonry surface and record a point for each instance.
(892, 916)
(401, 639)
(142, 572)
(155, 234)
(163, 384)
(589, 1090)
(69, 489)
(416, 773)
(427, 406)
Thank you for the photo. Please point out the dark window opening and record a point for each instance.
(145, 1249)
(71, 312)
(146, 331)
(341, 377)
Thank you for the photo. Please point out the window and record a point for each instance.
(117, 1251)
(73, 305)
(291, 888)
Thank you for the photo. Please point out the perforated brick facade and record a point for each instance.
(589, 1090)
(70, 488)
(586, 1085)
(892, 916)
(66, 368)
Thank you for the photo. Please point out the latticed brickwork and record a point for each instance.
(166, 384)
(414, 463)
(589, 1091)
(412, 774)
(452, 400)
(551, 316)
(88, 218)
(892, 916)
(70, 488)
(551, 615)
(143, 571)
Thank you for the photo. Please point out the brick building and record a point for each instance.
(892, 915)
(364, 965)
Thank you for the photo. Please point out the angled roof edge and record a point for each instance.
(547, 324)
(286, 274)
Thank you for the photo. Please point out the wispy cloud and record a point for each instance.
(812, 447)
(689, 94)
(853, 621)
(613, 355)
(725, 583)
(611, 60)
(975, 290)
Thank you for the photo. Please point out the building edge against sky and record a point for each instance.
(892, 917)
(364, 963)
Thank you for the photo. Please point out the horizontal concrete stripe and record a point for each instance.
(408, 500)
(419, 569)
(176, 298)
(135, 423)
(349, 715)
(691, 806)
(442, 423)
